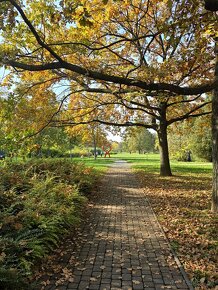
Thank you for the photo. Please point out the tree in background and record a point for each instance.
(139, 139)
(115, 146)
(90, 135)
(21, 117)
(191, 136)
(201, 138)
(52, 142)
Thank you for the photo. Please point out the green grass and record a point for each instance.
(191, 167)
(100, 164)
(150, 163)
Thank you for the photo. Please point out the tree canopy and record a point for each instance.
(141, 45)
(122, 63)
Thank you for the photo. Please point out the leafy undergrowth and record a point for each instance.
(39, 202)
(182, 204)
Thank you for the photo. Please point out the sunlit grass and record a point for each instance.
(148, 162)
(100, 163)
(151, 163)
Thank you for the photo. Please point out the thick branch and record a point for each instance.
(65, 123)
(190, 115)
(163, 87)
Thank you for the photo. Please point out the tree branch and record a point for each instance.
(163, 87)
(34, 32)
(65, 123)
(49, 121)
(184, 101)
(189, 114)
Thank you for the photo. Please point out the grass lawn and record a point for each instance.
(151, 163)
(100, 164)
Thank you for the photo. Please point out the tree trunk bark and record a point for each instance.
(94, 143)
(95, 147)
(214, 206)
(165, 169)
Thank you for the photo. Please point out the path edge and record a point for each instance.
(179, 264)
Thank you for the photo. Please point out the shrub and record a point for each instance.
(29, 232)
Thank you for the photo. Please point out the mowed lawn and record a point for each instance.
(182, 205)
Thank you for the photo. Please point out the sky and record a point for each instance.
(113, 137)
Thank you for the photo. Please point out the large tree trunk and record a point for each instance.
(165, 169)
(214, 206)
(94, 145)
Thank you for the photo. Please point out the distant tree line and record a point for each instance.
(139, 140)
(193, 137)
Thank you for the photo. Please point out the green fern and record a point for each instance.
(30, 232)
(10, 279)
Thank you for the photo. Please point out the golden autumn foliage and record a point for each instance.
(132, 62)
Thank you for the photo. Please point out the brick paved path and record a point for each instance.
(121, 246)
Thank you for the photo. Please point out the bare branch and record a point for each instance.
(189, 116)
(102, 47)
(185, 101)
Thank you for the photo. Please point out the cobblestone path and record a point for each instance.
(121, 245)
